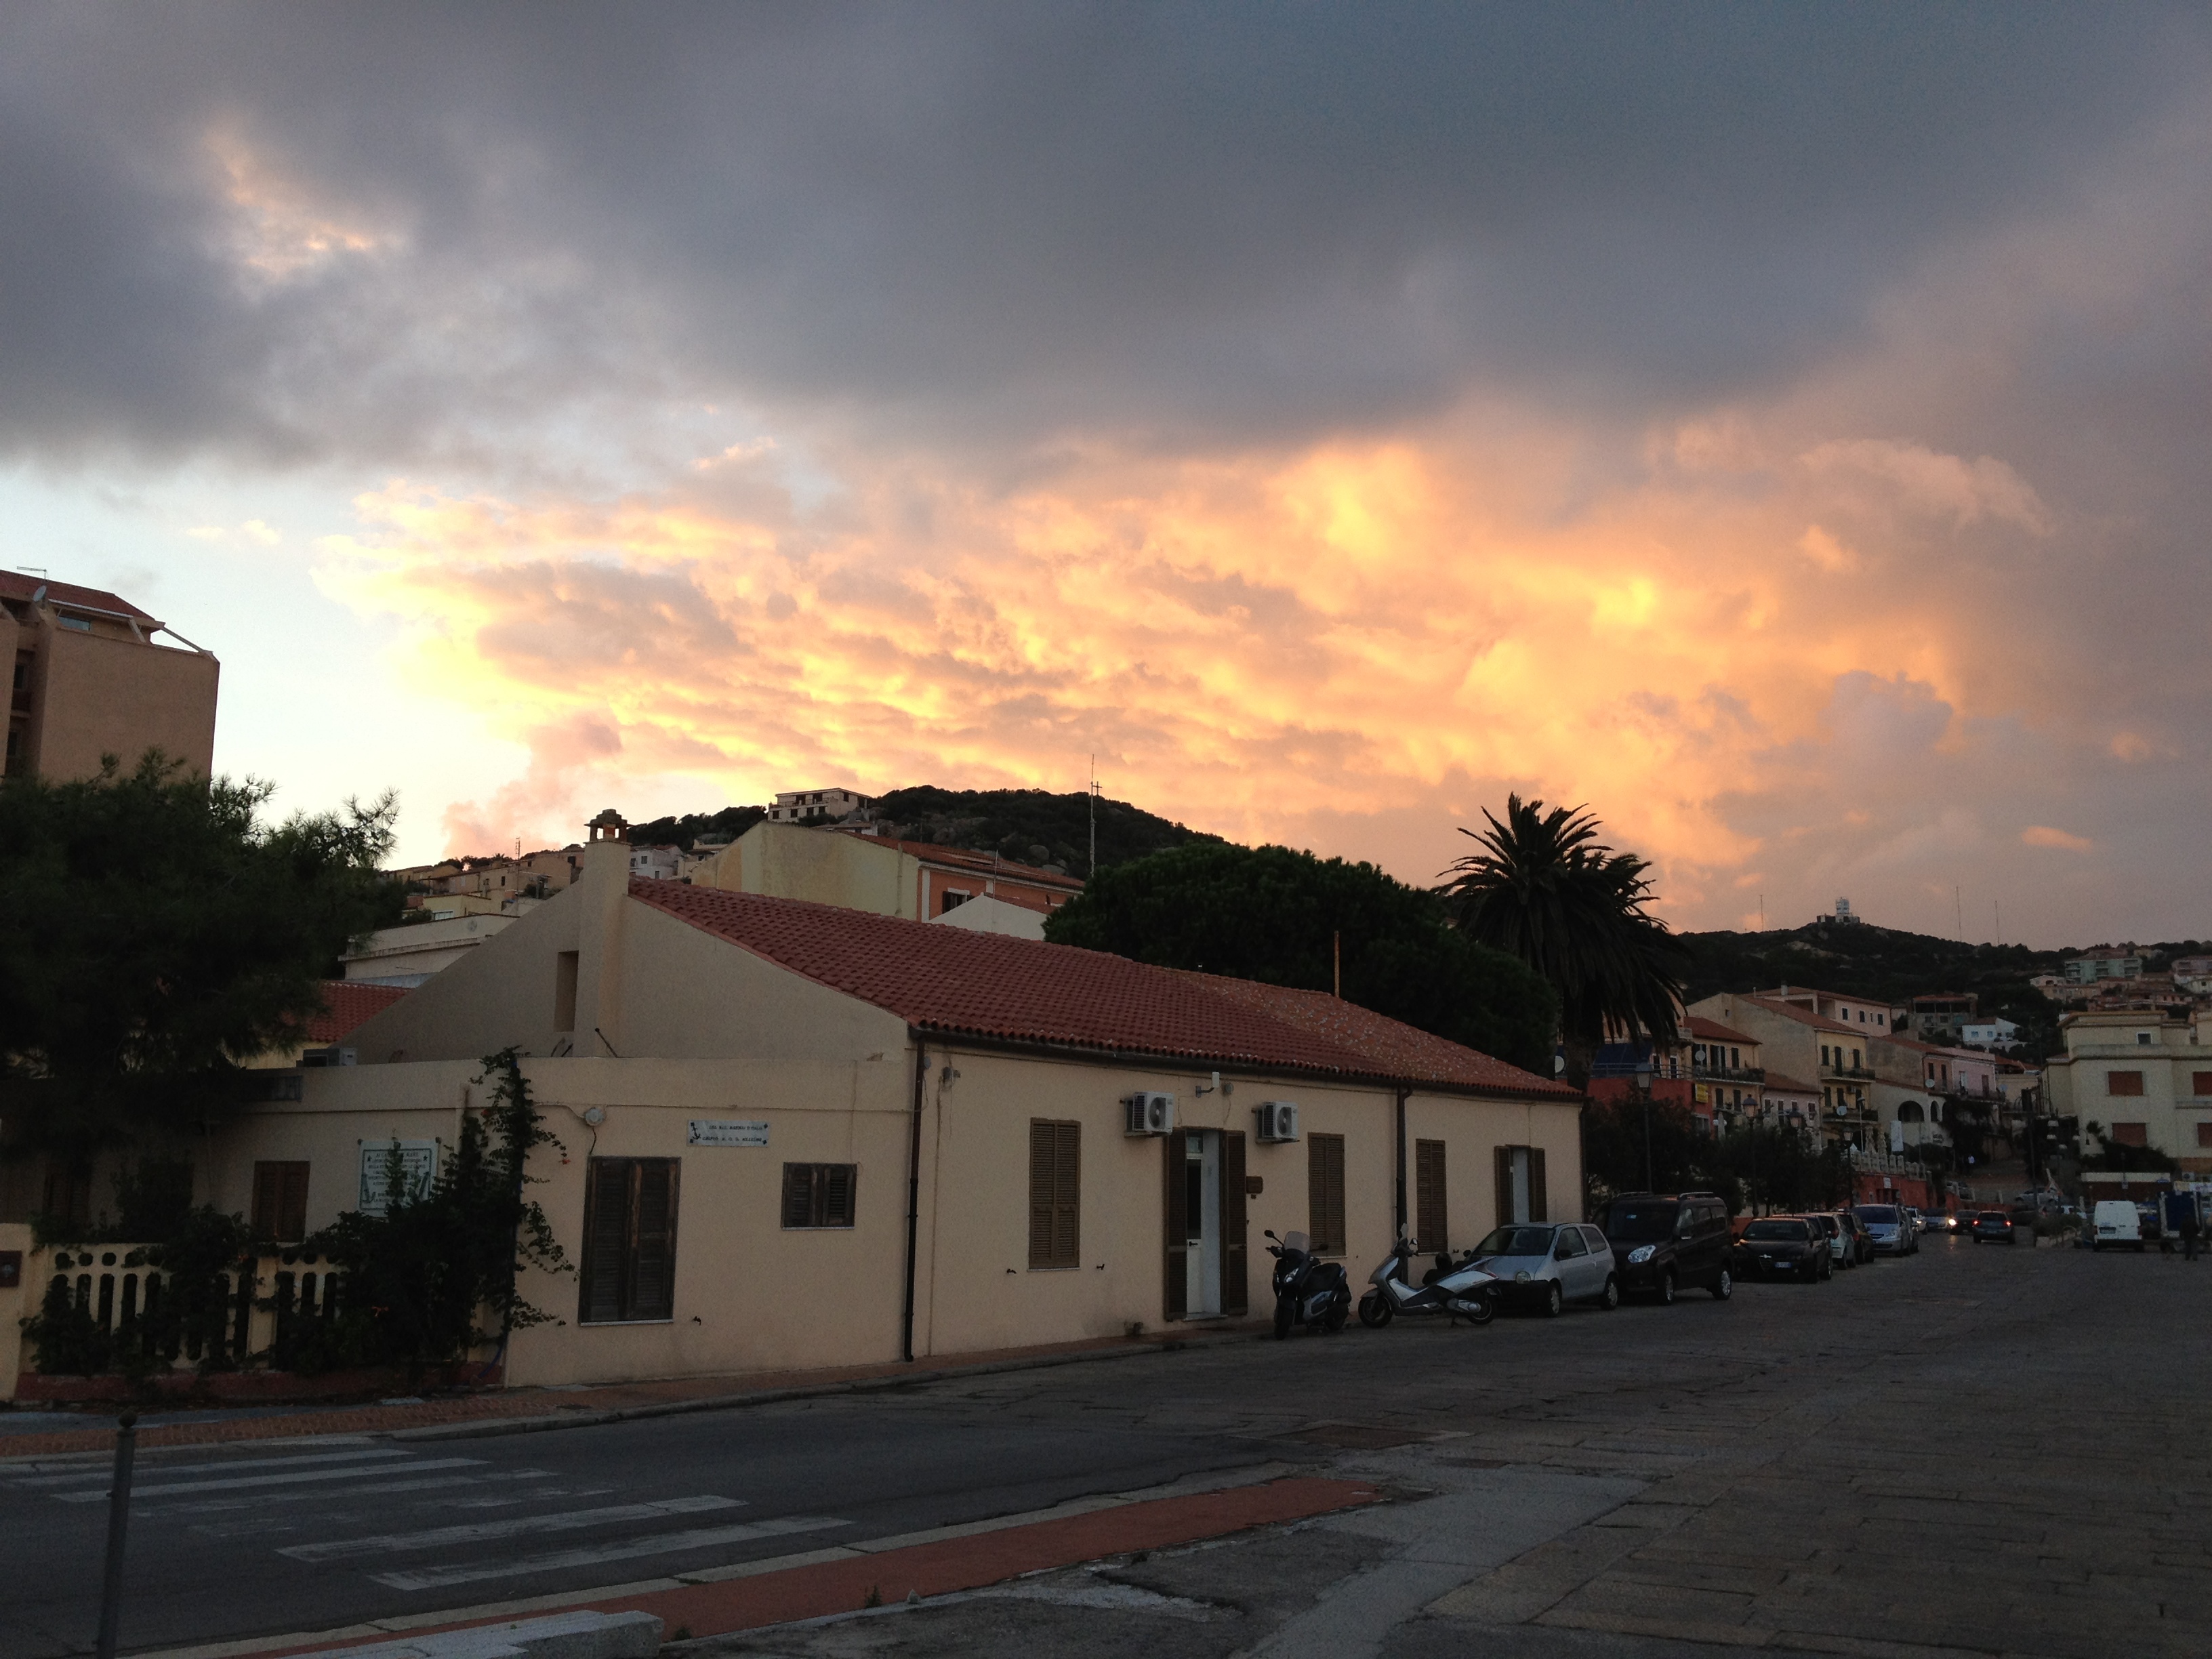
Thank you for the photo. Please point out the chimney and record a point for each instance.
(606, 882)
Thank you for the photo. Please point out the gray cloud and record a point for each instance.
(1194, 224)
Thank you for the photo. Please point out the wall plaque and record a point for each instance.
(727, 1131)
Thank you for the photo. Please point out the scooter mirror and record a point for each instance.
(1270, 1233)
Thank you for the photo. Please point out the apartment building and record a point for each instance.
(88, 679)
(915, 880)
(1726, 1073)
(2105, 962)
(818, 806)
(1815, 1035)
(2143, 1077)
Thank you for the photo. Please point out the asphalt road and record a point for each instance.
(1958, 1418)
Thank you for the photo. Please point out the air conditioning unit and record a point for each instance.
(1279, 1120)
(1151, 1114)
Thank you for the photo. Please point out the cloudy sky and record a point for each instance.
(1783, 428)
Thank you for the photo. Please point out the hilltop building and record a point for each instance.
(818, 805)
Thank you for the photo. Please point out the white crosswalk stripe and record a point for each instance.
(430, 1483)
(394, 1543)
(163, 1471)
(628, 1550)
(157, 1488)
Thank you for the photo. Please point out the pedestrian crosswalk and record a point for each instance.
(389, 1514)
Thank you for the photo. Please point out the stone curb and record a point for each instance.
(480, 1428)
(562, 1636)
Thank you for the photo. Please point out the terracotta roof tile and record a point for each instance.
(1711, 1030)
(346, 1005)
(1804, 1015)
(990, 985)
(1778, 1082)
(15, 585)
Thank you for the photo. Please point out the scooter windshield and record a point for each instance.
(1297, 1241)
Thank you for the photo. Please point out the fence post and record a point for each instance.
(119, 1522)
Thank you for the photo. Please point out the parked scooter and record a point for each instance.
(1308, 1290)
(1462, 1292)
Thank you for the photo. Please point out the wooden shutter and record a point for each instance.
(653, 1284)
(2124, 1083)
(836, 1184)
(1055, 1194)
(607, 1240)
(2200, 1082)
(1537, 1209)
(280, 1201)
(1325, 1192)
(1235, 1298)
(1504, 1155)
(798, 1195)
(1431, 1227)
(1175, 1211)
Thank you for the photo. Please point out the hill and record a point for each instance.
(1031, 826)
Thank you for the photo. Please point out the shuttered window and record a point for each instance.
(1055, 1194)
(1430, 1227)
(1520, 1184)
(280, 1201)
(630, 1240)
(1325, 1194)
(819, 1195)
(2200, 1082)
(2131, 1135)
(2124, 1083)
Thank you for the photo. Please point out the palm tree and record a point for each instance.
(1545, 889)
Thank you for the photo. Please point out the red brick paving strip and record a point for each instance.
(954, 1564)
(99, 1434)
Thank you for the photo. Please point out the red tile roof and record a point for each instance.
(989, 985)
(346, 1005)
(966, 858)
(15, 585)
(1711, 1030)
(1798, 1012)
(1779, 1084)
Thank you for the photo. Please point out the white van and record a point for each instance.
(2117, 1222)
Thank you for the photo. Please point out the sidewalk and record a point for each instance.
(523, 1409)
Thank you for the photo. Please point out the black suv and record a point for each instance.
(1785, 1247)
(1663, 1243)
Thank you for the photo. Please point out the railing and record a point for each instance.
(129, 1301)
(1729, 1074)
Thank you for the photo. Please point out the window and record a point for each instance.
(2143, 1037)
(2131, 1135)
(1520, 1171)
(819, 1195)
(2124, 1083)
(1055, 1194)
(2204, 1133)
(1325, 1192)
(2200, 1082)
(1571, 1244)
(280, 1201)
(1430, 1226)
(564, 991)
(953, 899)
(630, 1241)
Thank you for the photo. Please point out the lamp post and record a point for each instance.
(1644, 1075)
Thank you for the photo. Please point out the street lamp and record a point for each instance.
(1645, 1072)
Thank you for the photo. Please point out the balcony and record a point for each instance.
(1838, 1069)
(1729, 1074)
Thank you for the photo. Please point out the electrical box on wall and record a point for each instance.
(1279, 1120)
(1151, 1114)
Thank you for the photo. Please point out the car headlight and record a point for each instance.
(1642, 1253)
(1521, 1278)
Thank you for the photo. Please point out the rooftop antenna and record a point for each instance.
(1997, 922)
(1336, 962)
(1091, 794)
(1762, 912)
(1958, 909)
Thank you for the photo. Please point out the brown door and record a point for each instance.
(1236, 1298)
(1174, 1204)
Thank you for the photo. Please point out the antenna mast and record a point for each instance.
(1091, 793)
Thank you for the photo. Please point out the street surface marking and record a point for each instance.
(167, 1469)
(392, 1543)
(564, 1560)
(158, 1487)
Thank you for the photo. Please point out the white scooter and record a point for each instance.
(1462, 1292)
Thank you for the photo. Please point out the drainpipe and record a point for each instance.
(913, 1198)
(1401, 1207)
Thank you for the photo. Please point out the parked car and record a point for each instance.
(1785, 1247)
(1888, 1229)
(1842, 1247)
(1661, 1243)
(1992, 1227)
(1546, 1267)
(1913, 1217)
(1861, 1240)
(2152, 1228)
(2113, 1223)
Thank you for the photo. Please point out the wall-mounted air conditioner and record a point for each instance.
(1279, 1120)
(1151, 1114)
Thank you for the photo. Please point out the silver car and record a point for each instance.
(1545, 1266)
(1889, 1228)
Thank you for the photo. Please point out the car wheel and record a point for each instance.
(1555, 1300)
(1667, 1288)
(1723, 1287)
(1610, 1299)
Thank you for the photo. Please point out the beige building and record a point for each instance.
(915, 880)
(88, 681)
(407, 955)
(2144, 1079)
(1830, 1049)
(953, 1140)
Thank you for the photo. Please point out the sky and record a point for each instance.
(1782, 428)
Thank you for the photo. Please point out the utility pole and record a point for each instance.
(1090, 793)
(119, 1522)
(1958, 909)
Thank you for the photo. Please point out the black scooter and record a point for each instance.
(1308, 1290)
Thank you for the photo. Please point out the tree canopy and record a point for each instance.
(154, 933)
(1545, 889)
(1272, 914)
